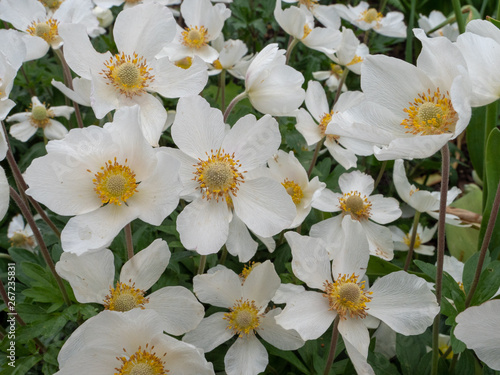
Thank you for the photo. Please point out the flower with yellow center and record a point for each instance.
(371, 15)
(338, 289)
(46, 30)
(194, 37)
(20, 235)
(124, 297)
(248, 317)
(115, 183)
(129, 343)
(356, 203)
(52, 4)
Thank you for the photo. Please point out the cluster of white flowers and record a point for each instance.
(238, 185)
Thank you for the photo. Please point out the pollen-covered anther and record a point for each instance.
(124, 297)
(51, 4)
(115, 183)
(347, 297)
(243, 317)
(195, 37)
(184, 63)
(19, 239)
(407, 240)
(46, 30)
(142, 362)
(130, 75)
(293, 190)
(307, 31)
(430, 114)
(371, 15)
(219, 175)
(323, 124)
(247, 269)
(309, 3)
(40, 116)
(354, 204)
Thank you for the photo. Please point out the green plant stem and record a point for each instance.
(498, 9)
(409, 33)
(222, 85)
(409, 256)
(39, 239)
(291, 44)
(201, 266)
(315, 157)
(333, 345)
(129, 241)
(30, 89)
(490, 123)
(231, 105)
(445, 175)
(457, 8)
(484, 246)
(380, 174)
(223, 256)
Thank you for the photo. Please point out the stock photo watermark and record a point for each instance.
(11, 314)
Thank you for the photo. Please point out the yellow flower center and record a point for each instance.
(347, 297)
(218, 175)
(142, 362)
(336, 70)
(130, 75)
(430, 114)
(356, 60)
(19, 239)
(217, 65)
(371, 15)
(115, 183)
(407, 240)
(309, 3)
(293, 190)
(353, 204)
(51, 4)
(323, 124)
(194, 37)
(243, 317)
(46, 30)
(184, 63)
(124, 297)
(307, 31)
(40, 116)
(247, 269)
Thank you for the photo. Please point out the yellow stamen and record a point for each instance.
(247, 269)
(347, 297)
(371, 15)
(219, 175)
(51, 4)
(217, 65)
(430, 114)
(115, 183)
(244, 317)
(407, 240)
(307, 31)
(293, 190)
(40, 116)
(184, 63)
(336, 70)
(356, 60)
(19, 239)
(353, 204)
(309, 3)
(142, 362)
(195, 37)
(323, 124)
(46, 30)
(130, 75)
(124, 297)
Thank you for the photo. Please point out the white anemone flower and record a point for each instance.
(286, 169)
(132, 75)
(232, 57)
(326, 14)
(217, 168)
(480, 46)
(299, 23)
(40, 117)
(273, 87)
(107, 177)
(41, 28)
(402, 240)
(104, 16)
(82, 89)
(204, 22)
(106, 4)
(357, 202)
(21, 235)
(91, 276)
(423, 200)
(128, 343)
(331, 77)
(247, 299)
(12, 55)
(479, 328)
(401, 300)
(313, 124)
(366, 18)
(350, 53)
(435, 19)
(411, 111)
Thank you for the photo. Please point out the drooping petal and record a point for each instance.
(221, 288)
(239, 241)
(276, 335)
(246, 356)
(355, 333)
(210, 333)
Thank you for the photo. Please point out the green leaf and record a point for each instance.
(470, 269)
(466, 364)
(489, 283)
(20, 255)
(409, 359)
(289, 356)
(22, 365)
(475, 139)
(381, 365)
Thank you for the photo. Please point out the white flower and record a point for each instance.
(132, 3)
(272, 86)
(231, 57)
(480, 46)
(40, 117)
(331, 77)
(403, 301)
(326, 14)
(435, 19)
(286, 169)
(104, 16)
(357, 203)
(204, 23)
(249, 315)
(411, 111)
(370, 19)
(107, 177)
(41, 28)
(218, 175)
(479, 328)
(422, 200)
(12, 55)
(21, 235)
(81, 90)
(299, 23)
(350, 53)
(314, 128)
(402, 240)
(91, 276)
(130, 343)
(129, 77)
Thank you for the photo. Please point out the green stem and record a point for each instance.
(484, 247)
(333, 345)
(380, 174)
(129, 241)
(457, 8)
(231, 105)
(409, 33)
(291, 44)
(39, 239)
(498, 9)
(315, 157)
(445, 175)
(222, 83)
(223, 256)
(201, 266)
(490, 123)
(409, 256)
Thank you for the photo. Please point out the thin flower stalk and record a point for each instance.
(333, 345)
(409, 257)
(457, 8)
(380, 174)
(128, 240)
(231, 105)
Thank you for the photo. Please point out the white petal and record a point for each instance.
(356, 181)
(379, 239)
(330, 231)
(246, 356)
(384, 210)
(358, 360)
(327, 201)
(239, 241)
(307, 127)
(55, 130)
(355, 332)
(22, 131)
(316, 102)
(210, 333)
(276, 335)
(261, 284)
(221, 288)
